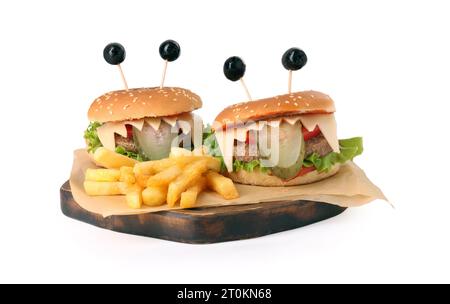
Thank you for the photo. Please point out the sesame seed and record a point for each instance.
(135, 99)
(279, 104)
(238, 109)
(131, 94)
(96, 110)
(307, 104)
(251, 111)
(150, 96)
(287, 102)
(126, 106)
(237, 116)
(174, 99)
(107, 97)
(246, 108)
(296, 104)
(110, 112)
(299, 97)
(312, 96)
(115, 94)
(144, 103)
(265, 106)
(165, 95)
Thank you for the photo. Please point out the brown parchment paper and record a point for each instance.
(348, 188)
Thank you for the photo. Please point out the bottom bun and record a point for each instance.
(258, 178)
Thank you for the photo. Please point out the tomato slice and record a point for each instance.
(247, 138)
(303, 171)
(129, 131)
(307, 135)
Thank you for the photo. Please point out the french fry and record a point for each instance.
(105, 188)
(222, 185)
(190, 175)
(154, 196)
(156, 166)
(165, 177)
(142, 180)
(213, 163)
(189, 197)
(177, 152)
(127, 175)
(112, 160)
(153, 166)
(134, 197)
(102, 175)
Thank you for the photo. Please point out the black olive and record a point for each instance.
(169, 50)
(114, 53)
(234, 68)
(294, 59)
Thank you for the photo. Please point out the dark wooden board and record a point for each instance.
(207, 225)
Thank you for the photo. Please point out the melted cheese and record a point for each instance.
(153, 122)
(106, 134)
(225, 141)
(170, 120)
(326, 123)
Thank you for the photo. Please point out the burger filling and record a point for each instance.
(300, 152)
(145, 144)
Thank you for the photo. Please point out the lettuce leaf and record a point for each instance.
(248, 166)
(350, 148)
(210, 142)
(130, 154)
(91, 137)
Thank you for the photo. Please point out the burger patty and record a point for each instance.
(127, 143)
(245, 157)
(316, 144)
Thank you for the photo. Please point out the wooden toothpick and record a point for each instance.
(290, 82)
(166, 63)
(123, 77)
(246, 89)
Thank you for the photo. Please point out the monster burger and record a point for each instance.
(281, 141)
(142, 123)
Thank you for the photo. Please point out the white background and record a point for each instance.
(385, 63)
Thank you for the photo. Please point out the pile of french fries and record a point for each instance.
(177, 179)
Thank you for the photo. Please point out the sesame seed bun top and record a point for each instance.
(307, 102)
(143, 102)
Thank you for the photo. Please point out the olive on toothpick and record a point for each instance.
(169, 50)
(234, 70)
(114, 54)
(293, 60)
